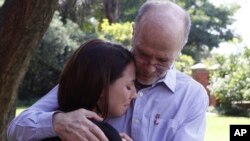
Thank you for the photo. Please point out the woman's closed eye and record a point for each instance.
(131, 86)
(128, 87)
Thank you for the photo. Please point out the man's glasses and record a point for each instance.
(144, 60)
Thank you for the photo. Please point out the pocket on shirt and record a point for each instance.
(163, 127)
(165, 130)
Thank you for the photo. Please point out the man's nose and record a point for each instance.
(150, 66)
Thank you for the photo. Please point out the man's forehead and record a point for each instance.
(160, 50)
(160, 37)
(150, 50)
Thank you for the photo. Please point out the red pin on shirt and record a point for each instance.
(157, 119)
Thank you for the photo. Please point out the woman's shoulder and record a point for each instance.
(110, 132)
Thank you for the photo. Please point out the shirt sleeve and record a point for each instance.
(35, 123)
(193, 127)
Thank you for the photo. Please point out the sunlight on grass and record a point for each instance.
(1, 2)
(19, 110)
(218, 126)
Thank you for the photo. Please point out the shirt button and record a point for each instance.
(140, 94)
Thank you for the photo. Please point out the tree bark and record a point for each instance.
(68, 9)
(22, 25)
(111, 10)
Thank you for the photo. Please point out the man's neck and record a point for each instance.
(140, 86)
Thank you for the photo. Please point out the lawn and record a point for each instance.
(19, 110)
(217, 126)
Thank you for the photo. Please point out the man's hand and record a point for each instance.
(76, 126)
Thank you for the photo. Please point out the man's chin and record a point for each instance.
(145, 81)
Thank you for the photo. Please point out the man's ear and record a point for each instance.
(133, 29)
(133, 34)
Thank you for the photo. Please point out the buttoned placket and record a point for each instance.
(137, 116)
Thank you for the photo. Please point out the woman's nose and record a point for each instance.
(133, 94)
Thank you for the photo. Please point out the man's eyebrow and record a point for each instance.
(141, 51)
(163, 59)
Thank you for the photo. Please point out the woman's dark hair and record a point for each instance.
(89, 72)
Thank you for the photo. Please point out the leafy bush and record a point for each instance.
(116, 32)
(232, 110)
(184, 63)
(230, 81)
(57, 44)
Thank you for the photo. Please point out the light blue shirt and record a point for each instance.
(172, 109)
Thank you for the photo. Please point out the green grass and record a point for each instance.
(19, 110)
(217, 126)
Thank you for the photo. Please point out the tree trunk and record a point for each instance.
(22, 25)
(111, 10)
(68, 9)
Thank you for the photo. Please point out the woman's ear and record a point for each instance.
(100, 102)
(102, 95)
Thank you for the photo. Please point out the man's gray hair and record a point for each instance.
(152, 4)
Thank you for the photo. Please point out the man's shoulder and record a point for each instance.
(180, 76)
(195, 90)
(186, 80)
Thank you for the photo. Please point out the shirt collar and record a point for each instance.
(170, 79)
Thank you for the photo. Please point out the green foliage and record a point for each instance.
(230, 81)
(129, 9)
(210, 26)
(117, 32)
(57, 44)
(59, 40)
(184, 63)
(80, 11)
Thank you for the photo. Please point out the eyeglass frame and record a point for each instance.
(138, 57)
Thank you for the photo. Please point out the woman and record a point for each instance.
(100, 77)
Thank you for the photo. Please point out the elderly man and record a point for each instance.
(170, 106)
